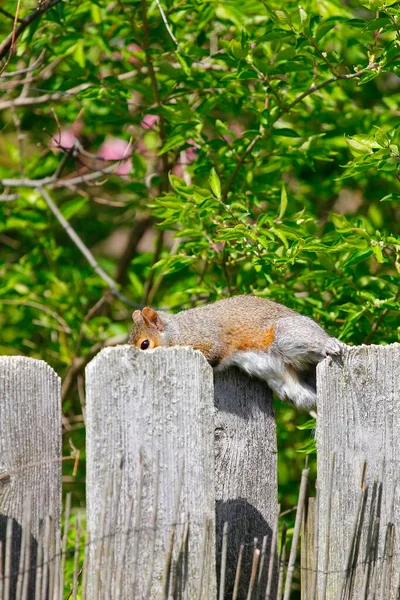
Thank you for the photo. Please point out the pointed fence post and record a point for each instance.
(30, 461)
(150, 474)
(358, 421)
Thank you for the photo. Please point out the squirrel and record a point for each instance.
(265, 339)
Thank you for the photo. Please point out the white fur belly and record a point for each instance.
(270, 368)
(256, 363)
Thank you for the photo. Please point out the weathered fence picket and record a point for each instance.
(245, 472)
(358, 421)
(151, 413)
(181, 477)
(30, 461)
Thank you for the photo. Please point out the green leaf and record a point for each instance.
(79, 54)
(357, 147)
(382, 138)
(392, 197)
(72, 207)
(285, 132)
(277, 34)
(284, 202)
(215, 183)
(323, 29)
(377, 250)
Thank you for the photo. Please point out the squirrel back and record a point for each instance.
(217, 330)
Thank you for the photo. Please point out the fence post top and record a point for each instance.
(134, 354)
(26, 361)
(351, 352)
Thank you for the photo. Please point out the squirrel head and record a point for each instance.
(147, 329)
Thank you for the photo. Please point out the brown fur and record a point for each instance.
(235, 324)
(246, 339)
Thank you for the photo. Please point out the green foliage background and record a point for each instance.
(288, 119)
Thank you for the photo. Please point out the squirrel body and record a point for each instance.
(265, 339)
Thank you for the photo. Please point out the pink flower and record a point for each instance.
(134, 60)
(63, 139)
(149, 121)
(186, 157)
(190, 152)
(117, 149)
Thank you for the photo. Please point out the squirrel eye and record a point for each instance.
(145, 344)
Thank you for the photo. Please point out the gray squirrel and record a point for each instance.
(263, 338)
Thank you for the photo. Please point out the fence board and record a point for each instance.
(30, 450)
(155, 403)
(246, 469)
(359, 419)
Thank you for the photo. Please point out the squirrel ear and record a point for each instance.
(152, 318)
(136, 316)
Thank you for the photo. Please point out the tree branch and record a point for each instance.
(54, 96)
(135, 235)
(80, 362)
(163, 135)
(8, 14)
(23, 24)
(29, 69)
(380, 320)
(52, 181)
(285, 109)
(167, 27)
(83, 248)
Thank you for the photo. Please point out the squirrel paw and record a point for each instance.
(334, 349)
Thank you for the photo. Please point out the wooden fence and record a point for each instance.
(182, 482)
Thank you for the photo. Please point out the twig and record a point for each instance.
(67, 514)
(223, 561)
(261, 567)
(148, 291)
(296, 533)
(9, 198)
(54, 96)
(313, 594)
(380, 320)
(167, 27)
(138, 230)
(23, 24)
(40, 307)
(76, 557)
(328, 527)
(9, 15)
(238, 571)
(311, 90)
(273, 553)
(52, 182)
(79, 363)
(29, 69)
(254, 567)
(282, 559)
(163, 135)
(81, 246)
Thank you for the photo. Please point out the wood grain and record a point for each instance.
(140, 406)
(246, 468)
(359, 420)
(30, 450)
